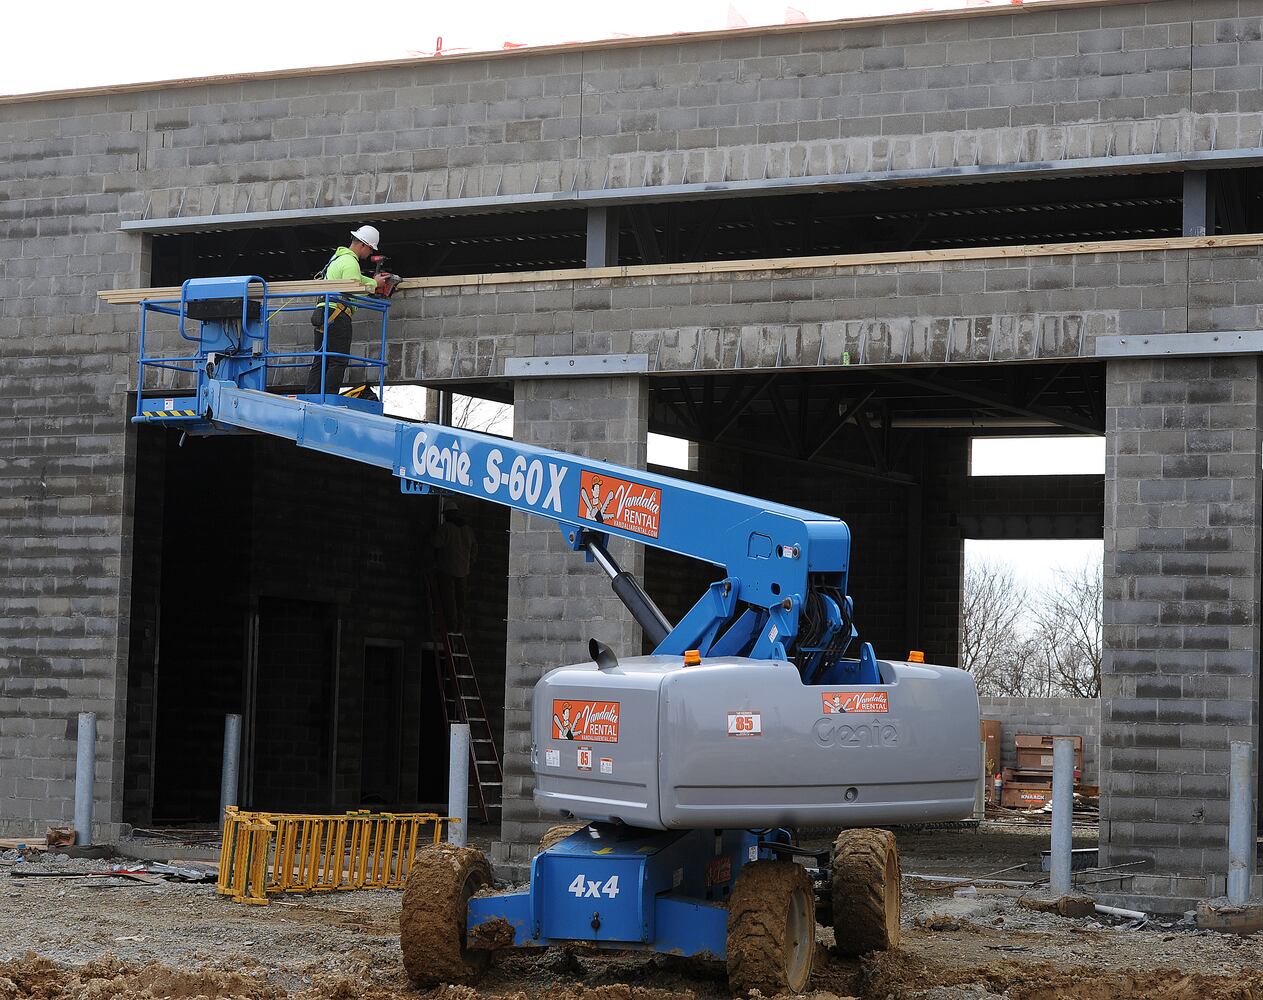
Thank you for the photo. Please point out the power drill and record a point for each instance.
(386, 281)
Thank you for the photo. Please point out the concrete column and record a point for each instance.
(230, 771)
(458, 784)
(942, 559)
(557, 602)
(1241, 823)
(1180, 677)
(85, 777)
(1061, 855)
(602, 241)
(1199, 204)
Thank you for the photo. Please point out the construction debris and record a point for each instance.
(59, 836)
(1063, 906)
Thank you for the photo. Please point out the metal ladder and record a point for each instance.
(462, 702)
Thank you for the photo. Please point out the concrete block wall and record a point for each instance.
(1003, 309)
(1180, 677)
(1048, 716)
(556, 603)
(993, 87)
(65, 459)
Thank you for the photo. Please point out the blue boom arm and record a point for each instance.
(785, 569)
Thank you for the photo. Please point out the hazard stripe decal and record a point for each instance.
(169, 413)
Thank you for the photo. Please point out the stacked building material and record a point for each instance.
(1029, 784)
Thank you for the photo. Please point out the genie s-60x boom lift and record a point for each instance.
(682, 774)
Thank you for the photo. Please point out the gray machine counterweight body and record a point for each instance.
(741, 743)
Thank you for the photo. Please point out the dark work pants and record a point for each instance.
(452, 592)
(340, 342)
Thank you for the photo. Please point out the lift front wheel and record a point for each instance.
(771, 929)
(432, 922)
(865, 891)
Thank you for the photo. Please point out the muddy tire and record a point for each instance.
(556, 834)
(432, 921)
(771, 929)
(865, 892)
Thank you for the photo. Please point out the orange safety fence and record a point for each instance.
(268, 853)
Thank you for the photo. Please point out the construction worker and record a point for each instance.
(457, 548)
(344, 265)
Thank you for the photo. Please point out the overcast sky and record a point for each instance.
(89, 43)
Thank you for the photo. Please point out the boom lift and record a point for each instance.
(683, 772)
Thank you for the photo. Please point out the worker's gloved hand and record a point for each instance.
(386, 284)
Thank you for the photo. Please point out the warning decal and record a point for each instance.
(719, 871)
(619, 503)
(840, 702)
(590, 721)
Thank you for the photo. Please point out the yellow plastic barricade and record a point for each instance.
(264, 853)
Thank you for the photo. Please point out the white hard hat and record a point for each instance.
(369, 235)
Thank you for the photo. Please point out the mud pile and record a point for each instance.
(895, 975)
(34, 978)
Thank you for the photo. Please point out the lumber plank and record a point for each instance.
(131, 296)
(134, 296)
(839, 260)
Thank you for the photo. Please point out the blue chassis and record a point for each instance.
(623, 888)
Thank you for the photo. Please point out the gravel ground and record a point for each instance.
(125, 940)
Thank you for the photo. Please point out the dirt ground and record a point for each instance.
(72, 938)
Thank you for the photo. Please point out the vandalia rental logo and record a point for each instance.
(840, 702)
(619, 503)
(589, 721)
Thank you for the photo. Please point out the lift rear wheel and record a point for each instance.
(771, 929)
(432, 922)
(865, 891)
(556, 834)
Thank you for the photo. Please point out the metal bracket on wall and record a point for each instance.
(1180, 344)
(577, 365)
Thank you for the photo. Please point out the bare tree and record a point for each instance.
(470, 412)
(476, 414)
(1067, 630)
(1041, 645)
(993, 646)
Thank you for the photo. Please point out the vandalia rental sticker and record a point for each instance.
(839, 702)
(619, 503)
(589, 721)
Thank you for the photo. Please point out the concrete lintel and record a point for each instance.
(577, 365)
(1180, 344)
(385, 211)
